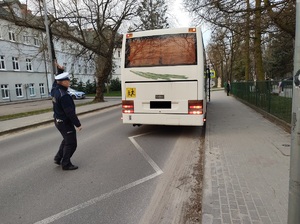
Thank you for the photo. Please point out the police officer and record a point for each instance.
(65, 119)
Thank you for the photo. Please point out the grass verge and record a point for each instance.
(113, 93)
(30, 113)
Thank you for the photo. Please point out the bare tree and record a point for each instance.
(283, 14)
(251, 22)
(94, 24)
(152, 15)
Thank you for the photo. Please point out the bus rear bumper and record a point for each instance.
(164, 119)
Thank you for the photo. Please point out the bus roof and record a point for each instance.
(163, 31)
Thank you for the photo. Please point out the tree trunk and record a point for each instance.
(103, 67)
(257, 43)
(247, 43)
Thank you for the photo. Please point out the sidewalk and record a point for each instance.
(246, 165)
(31, 121)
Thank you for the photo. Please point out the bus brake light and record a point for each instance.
(195, 107)
(127, 106)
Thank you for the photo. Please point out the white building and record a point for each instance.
(24, 68)
(117, 64)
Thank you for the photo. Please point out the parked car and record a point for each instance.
(76, 94)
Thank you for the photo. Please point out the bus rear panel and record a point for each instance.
(163, 80)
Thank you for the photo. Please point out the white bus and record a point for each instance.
(163, 77)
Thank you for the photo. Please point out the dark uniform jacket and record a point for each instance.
(63, 106)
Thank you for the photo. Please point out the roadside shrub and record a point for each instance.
(115, 85)
(90, 88)
(80, 86)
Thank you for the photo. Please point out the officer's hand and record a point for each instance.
(79, 128)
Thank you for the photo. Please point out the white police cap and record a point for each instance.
(62, 76)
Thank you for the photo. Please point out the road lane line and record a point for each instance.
(93, 201)
(145, 155)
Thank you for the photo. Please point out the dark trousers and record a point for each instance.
(68, 144)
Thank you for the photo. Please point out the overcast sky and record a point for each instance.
(183, 19)
(178, 14)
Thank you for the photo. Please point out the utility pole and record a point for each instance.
(294, 188)
(52, 70)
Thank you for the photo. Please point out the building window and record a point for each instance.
(42, 88)
(15, 63)
(31, 89)
(2, 62)
(19, 91)
(28, 64)
(119, 54)
(79, 69)
(26, 39)
(36, 41)
(5, 91)
(11, 35)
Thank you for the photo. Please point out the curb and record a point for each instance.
(207, 202)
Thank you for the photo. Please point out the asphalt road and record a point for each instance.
(126, 174)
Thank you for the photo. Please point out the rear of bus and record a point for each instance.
(163, 81)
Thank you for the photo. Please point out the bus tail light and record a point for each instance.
(129, 35)
(127, 106)
(192, 30)
(196, 107)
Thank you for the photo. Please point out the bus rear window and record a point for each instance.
(164, 50)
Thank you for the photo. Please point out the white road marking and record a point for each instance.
(146, 156)
(93, 201)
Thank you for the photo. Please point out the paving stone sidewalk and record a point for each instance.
(246, 165)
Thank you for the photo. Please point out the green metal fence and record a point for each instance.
(270, 96)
